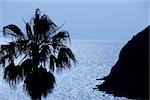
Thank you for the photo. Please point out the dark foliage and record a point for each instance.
(27, 67)
(63, 58)
(12, 30)
(13, 74)
(42, 44)
(39, 83)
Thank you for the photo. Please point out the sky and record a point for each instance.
(86, 19)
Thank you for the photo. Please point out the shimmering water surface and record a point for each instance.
(95, 59)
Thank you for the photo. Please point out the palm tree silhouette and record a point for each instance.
(41, 50)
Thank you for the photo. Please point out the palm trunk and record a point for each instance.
(35, 56)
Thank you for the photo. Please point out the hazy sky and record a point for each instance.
(91, 19)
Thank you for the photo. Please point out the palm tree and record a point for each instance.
(42, 49)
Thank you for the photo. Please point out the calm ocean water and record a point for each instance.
(95, 59)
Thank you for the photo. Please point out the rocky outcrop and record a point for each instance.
(129, 77)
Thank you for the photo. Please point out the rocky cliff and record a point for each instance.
(129, 77)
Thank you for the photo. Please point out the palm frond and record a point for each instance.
(60, 39)
(13, 30)
(39, 83)
(62, 62)
(37, 16)
(62, 35)
(27, 66)
(64, 58)
(13, 74)
(3, 59)
(44, 53)
(52, 62)
(43, 26)
(69, 53)
(50, 35)
(34, 21)
(22, 47)
(29, 31)
(8, 51)
(57, 44)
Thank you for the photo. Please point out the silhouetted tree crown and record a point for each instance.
(42, 48)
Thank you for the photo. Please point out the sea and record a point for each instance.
(95, 59)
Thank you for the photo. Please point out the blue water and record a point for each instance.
(95, 59)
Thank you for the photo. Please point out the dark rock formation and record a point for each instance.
(129, 77)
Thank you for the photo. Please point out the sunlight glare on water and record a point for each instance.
(95, 59)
